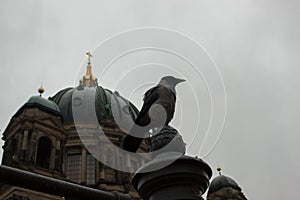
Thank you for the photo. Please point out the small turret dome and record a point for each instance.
(221, 182)
(43, 103)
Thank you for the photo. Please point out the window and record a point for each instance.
(44, 153)
(91, 170)
(74, 168)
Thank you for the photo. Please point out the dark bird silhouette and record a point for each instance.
(158, 110)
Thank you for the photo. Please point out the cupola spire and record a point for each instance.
(89, 57)
(89, 80)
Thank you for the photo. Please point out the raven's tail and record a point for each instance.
(132, 143)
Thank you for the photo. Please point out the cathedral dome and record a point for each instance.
(222, 181)
(106, 102)
(90, 99)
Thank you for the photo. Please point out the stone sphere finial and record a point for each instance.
(169, 139)
(41, 89)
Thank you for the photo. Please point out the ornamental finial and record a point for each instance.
(89, 80)
(89, 57)
(219, 170)
(41, 90)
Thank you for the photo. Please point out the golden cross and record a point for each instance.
(89, 57)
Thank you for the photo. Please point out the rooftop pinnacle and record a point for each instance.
(89, 80)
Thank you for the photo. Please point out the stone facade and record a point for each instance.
(33, 141)
(17, 193)
(37, 141)
(42, 137)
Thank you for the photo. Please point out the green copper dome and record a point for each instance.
(222, 181)
(95, 101)
(43, 103)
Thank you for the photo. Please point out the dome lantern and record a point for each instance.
(88, 80)
(224, 187)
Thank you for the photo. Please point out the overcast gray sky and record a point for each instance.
(254, 43)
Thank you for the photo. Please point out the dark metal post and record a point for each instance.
(70, 191)
(184, 178)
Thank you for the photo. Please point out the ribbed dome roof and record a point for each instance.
(42, 103)
(106, 104)
(222, 181)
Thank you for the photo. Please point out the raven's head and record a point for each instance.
(170, 80)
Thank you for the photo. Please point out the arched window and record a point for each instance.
(44, 152)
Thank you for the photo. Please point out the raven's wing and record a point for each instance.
(132, 143)
(150, 97)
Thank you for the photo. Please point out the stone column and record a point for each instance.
(52, 155)
(57, 156)
(102, 173)
(83, 165)
(17, 156)
(24, 144)
(25, 140)
(32, 148)
(97, 170)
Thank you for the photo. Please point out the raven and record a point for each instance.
(158, 110)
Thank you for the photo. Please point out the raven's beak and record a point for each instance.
(178, 80)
